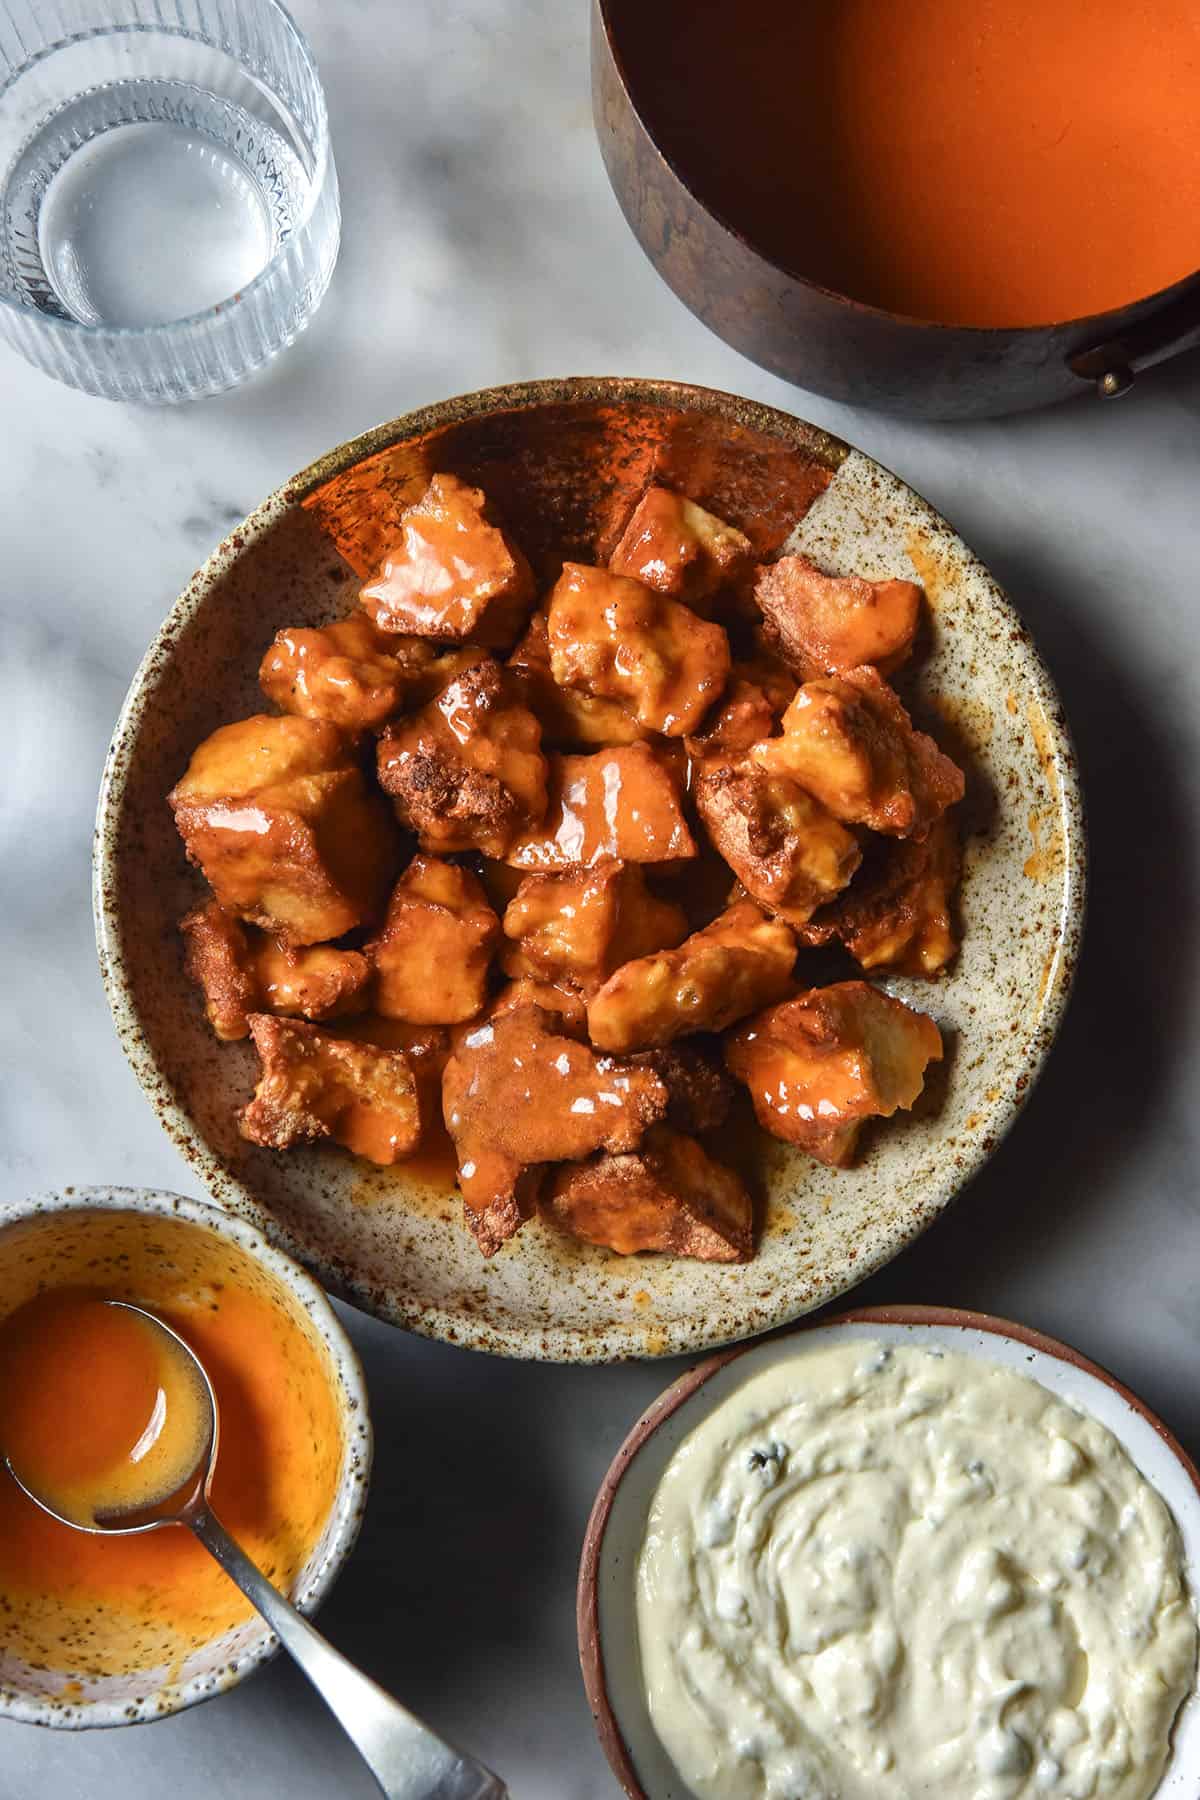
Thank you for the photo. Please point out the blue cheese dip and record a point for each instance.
(884, 1574)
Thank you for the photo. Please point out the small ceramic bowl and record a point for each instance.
(607, 1612)
(107, 1238)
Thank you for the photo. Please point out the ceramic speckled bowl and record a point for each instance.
(103, 1237)
(564, 461)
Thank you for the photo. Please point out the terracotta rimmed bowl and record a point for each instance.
(606, 1600)
(564, 461)
(102, 1237)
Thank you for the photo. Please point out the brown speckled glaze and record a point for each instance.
(565, 459)
(51, 1238)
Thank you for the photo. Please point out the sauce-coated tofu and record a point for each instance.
(674, 545)
(819, 1065)
(743, 718)
(849, 741)
(740, 962)
(569, 716)
(828, 624)
(585, 922)
(517, 1093)
(347, 672)
(277, 814)
(623, 803)
(315, 1086)
(432, 957)
(785, 848)
(562, 1002)
(898, 913)
(622, 641)
(453, 574)
(467, 771)
(668, 1195)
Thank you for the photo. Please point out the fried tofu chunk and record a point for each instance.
(819, 1065)
(743, 718)
(785, 848)
(669, 1195)
(466, 772)
(740, 962)
(277, 815)
(678, 548)
(897, 913)
(242, 971)
(623, 803)
(217, 958)
(426, 1049)
(829, 624)
(585, 922)
(562, 1002)
(569, 716)
(622, 641)
(699, 1092)
(347, 672)
(432, 957)
(314, 1086)
(517, 1093)
(453, 574)
(849, 741)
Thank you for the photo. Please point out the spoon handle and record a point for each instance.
(407, 1760)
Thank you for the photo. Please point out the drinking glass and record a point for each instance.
(169, 214)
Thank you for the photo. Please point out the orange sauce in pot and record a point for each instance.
(976, 162)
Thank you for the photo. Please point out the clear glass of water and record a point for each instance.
(169, 215)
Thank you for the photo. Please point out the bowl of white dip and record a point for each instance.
(902, 1553)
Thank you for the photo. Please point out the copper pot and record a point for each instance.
(831, 344)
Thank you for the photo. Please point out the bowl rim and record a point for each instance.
(534, 1342)
(348, 1382)
(587, 1592)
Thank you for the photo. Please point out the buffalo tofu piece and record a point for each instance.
(277, 815)
(785, 848)
(743, 718)
(673, 545)
(585, 922)
(849, 741)
(622, 641)
(898, 912)
(217, 958)
(563, 1003)
(516, 1094)
(740, 962)
(623, 803)
(569, 717)
(432, 957)
(348, 672)
(314, 1086)
(699, 1092)
(466, 772)
(453, 574)
(668, 1195)
(819, 1065)
(828, 624)
(426, 1049)
(242, 971)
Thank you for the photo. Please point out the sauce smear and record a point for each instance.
(977, 162)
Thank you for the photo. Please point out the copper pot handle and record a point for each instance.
(1113, 365)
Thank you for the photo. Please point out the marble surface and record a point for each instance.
(482, 244)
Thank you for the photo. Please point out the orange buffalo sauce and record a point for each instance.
(977, 162)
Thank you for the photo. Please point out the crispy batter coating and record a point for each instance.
(517, 1093)
(849, 741)
(560, 1000)
(819, 1065)
(347, 672)
(738, 963)
(453, 574)
(587, 921)
(623, 803)
(623, 641)
(217, 959)
(315, 1086)
(426, 1048)
(674, 545)
(699, 1092)
(897, 913)
(569, 716)
(744, 717)
(668, 1195)
(241, 971)
(827, 624)
(432, 957)
(467, 771)
(276, 813)
(785, 848)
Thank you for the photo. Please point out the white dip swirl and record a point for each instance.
(897, 1574)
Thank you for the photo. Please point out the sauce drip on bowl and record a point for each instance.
(976, 162)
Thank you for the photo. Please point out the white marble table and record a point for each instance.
(482, 245)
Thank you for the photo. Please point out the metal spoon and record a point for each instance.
(407, 1759)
